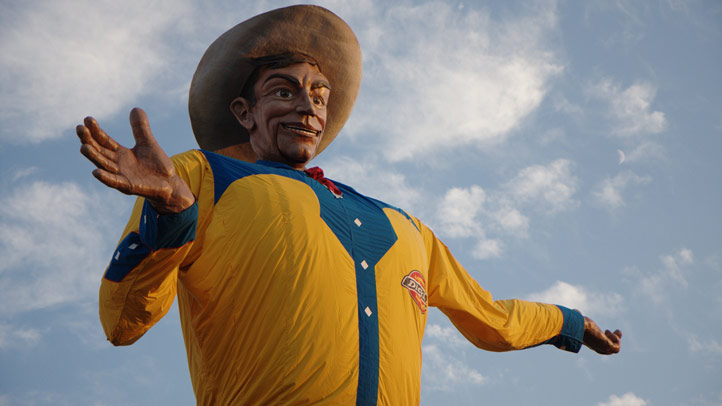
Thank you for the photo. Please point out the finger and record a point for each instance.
(97, 158)
(99, 135)
(85, 137)
(108, 147)
(613, 343)
(612, 337)
(112, 180)
(141, 127)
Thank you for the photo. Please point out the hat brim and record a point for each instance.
(225, 67)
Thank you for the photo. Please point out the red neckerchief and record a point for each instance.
(317, 174)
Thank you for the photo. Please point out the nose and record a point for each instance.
(305, 105)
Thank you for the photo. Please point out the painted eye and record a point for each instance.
(319, 101)
(284, 93)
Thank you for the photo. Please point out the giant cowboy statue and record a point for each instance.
(292, 288)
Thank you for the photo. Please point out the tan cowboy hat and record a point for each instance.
(225, 67)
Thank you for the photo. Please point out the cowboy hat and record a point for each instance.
(226, 65)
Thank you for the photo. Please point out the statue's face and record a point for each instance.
(286, 124)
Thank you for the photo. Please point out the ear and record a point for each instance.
(241, 109)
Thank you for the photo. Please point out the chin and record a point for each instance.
(299, 155)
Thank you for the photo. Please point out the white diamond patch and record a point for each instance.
(364, 265)
(368, 311)
(358, 222)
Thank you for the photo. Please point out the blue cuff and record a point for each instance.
(572, 335)
(167, 230)
(130, 252)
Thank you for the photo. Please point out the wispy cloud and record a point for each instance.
(631, 108)
(580, 298)
(372, 179)
(24, 173)
(628, 399)
(487, 248)
(447, 335)
(609, 192)
(443, 372)
(438, 76)
(504, 212)
(645, 151)
(706, 346)
(11, 336)
(53, 239)
(64, 60)
(670, 276)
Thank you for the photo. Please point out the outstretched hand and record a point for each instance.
(605, 343)
(145, 170)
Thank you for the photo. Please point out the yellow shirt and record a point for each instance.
(291, 295)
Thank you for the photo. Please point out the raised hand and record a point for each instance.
(145, 170)
(605, 343)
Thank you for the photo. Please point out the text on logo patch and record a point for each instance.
(416, 285)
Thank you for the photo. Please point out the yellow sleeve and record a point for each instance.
(494, 325)
(139, 284)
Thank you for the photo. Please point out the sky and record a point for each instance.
(566, 151)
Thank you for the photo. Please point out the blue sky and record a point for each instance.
(566, 151)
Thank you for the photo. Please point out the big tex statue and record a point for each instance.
(292, 289)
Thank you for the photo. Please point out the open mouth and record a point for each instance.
(302, 131)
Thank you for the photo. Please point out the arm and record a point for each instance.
(501, 325)
(139, 284)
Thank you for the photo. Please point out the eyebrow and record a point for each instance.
(293, 80)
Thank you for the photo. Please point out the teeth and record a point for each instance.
(301, 129)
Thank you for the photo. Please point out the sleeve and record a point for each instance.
(139, 284)
(494, 325)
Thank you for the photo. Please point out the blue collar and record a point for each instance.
(273, 164)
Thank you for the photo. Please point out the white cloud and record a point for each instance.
(577, 297)
(487, 248)
(512, 221)
(443, 372)
(458, 211)
(53, 241)
(439, 77)
(447, 335)
(631, 107)
(549, 187)
(628, 399)
(671, 276)
(462, 211)
(608, 193)
(64, 60)
(369, 178)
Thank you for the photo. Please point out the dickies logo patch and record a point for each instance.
(416, 285)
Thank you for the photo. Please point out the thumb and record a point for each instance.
(141, 127)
